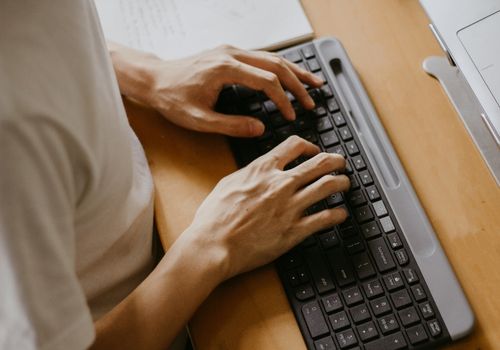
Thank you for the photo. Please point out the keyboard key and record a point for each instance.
(359, 163)
(293, 279)
(354, 245)
(402, 257)
(332, 303)
(363, 266)
(381, 254)
(304, 292)
(366, 178)
(367, 331)
(411, 276)
(291, 260)
(339, 320)
(380, 209)
(313, 65)
(321, 76)
(348, 167)
(293, 56)
(352, 148)
(319, 111)
(314, 319)
(373, 289)
(303, 66)
(301, 123)
(316, 95)
(345, 133)
(363, 214)
(254, 106)
(401, 299)
(329, 239)
(354, 182)
(409, 316)
(309, 136)
(417, 334)
(380, 306)
(334, 199)
(332, 106)
(357, 198)
(360, 313)
(326, 91)
(346, 339)
(338, 119)
(418, 293)
(373, 193)
(290, 96)
(316, 207)
(270, 106)
(388, 324)
(319, 271)
(352, 296)
(324, 344)
(329, 138)
(342, 270)
(370, 230)
(392, 342)
(426, 310)
(308, 51)
(277, 120)
(301, 273)
(393, 281)
(435, 328)
(394, 241)
(336, 149)
(284, 132)
(323, 124)
(347, 229)
(387, 224)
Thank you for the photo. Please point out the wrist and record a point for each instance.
(202, 255)
(135, 72)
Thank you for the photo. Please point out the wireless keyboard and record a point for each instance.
(364, 284)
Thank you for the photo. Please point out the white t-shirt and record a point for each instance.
(76, 210)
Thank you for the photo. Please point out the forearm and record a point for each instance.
(155, 312)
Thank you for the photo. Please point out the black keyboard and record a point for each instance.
(356, 285)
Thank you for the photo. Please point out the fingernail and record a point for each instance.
(318, 80)
(310, 102)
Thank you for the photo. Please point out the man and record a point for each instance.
(76, 214)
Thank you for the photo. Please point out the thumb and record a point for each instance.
(235, 125)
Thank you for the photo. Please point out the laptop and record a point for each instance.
(380, 280)
(468, 32)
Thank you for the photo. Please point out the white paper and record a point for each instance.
(178, 28)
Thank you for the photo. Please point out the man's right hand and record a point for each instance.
(257, 213)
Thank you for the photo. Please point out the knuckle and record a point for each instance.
(271, 78)
(226, 47)
(323, 160)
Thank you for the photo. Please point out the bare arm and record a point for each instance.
(251, 217)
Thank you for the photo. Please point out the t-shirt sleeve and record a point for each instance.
(42, 305)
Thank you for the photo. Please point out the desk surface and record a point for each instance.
(387, 41)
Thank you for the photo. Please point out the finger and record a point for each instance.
(321, 221)
(292, 148)
(321, 164)
(231, 125)
(321, 189)
(265, 81)
(282, 69)
(309, 78)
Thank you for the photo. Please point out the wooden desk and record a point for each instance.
(387, 41)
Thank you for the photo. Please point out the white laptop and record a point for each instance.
(470, 33)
